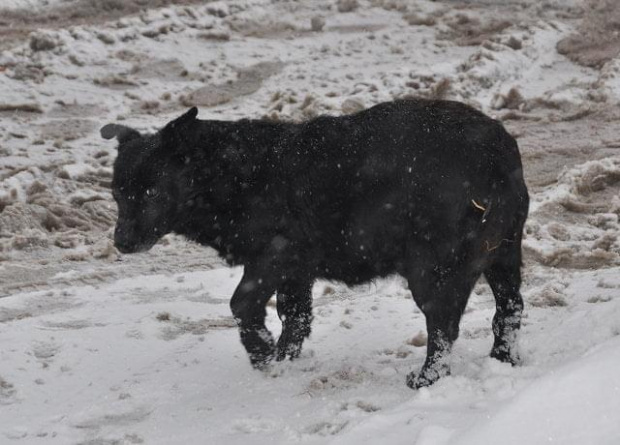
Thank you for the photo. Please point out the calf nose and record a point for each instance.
(123, 240)
(124, 248)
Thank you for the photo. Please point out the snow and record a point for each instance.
(583, 394)
(104, 348)
(25, 4)
(184, 376)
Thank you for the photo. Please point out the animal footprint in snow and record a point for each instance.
(45, 351)
(367, 407)
(113, 419)
(7, 392)
(326, 428)
(176, 326)
(67, 325)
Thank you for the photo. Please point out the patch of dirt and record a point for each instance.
(567, 258)
(175, 326)
(16, 24)
(162, 69)
(552, 295)
(549, 147)
(571, 230)
(598, 38)
(469, 30)
(67, 129)
(261, 28)
(74, 109)
(20, 107)
(46, 221)
(351, 29)
(116, 81)
(248, 81)
(288, 106)
(343, 378)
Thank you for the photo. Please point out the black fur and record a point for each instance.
(431, 190)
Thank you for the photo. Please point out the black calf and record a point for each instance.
(431, 190)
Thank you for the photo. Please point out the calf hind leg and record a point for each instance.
(443, 301)
(294, 302)
(504, 277)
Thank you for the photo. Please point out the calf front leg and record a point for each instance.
(248, 307)
(294, 302)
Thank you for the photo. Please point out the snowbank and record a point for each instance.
(577, 404)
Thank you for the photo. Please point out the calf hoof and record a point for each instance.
(260, 346)
(504, 356)
(260, 362)
(427, 376)
(417, 382)
(291, 340)
(292, 350)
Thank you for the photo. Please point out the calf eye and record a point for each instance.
(152, 192)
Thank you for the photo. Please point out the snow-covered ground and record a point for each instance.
(20, 4)
(99, 348)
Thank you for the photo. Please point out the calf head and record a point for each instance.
(147, 181)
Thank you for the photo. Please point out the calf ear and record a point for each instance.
(184, 119)
(176, 134)
(120, 132)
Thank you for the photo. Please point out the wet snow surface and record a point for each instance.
(99, 348)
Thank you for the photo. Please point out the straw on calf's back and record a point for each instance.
(431, 190)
